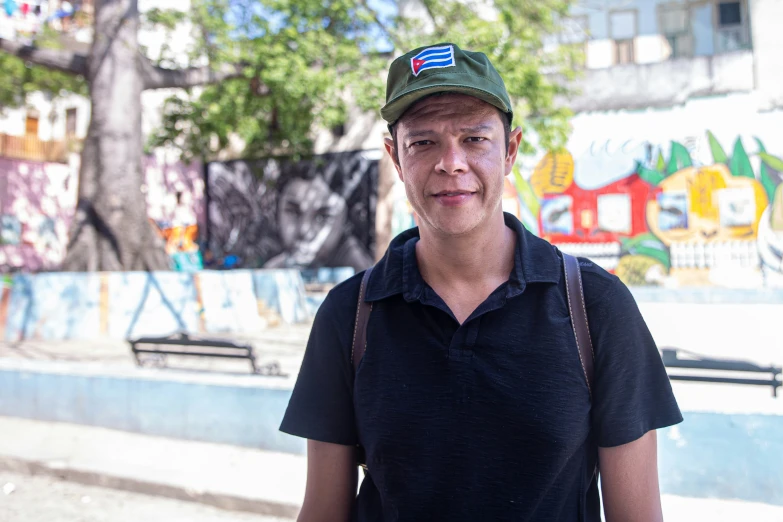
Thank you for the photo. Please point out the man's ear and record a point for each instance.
(388, 143)
(514, 140)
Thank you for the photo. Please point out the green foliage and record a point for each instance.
(718, 154)
(307, 59)
(20, 79)
(513, 39)
(739, 165)
(302, 59)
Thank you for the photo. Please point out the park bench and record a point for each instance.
(718, 370)
(153, 351)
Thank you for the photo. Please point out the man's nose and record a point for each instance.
(453, 159)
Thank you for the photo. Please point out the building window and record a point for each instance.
(70, 123)
(31, 125)
(676, 29)
(623, 31)
(732, 33)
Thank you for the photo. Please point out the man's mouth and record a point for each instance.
(451, 193)
(453, 198)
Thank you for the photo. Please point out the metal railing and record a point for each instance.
(718, 370)
(31, 148)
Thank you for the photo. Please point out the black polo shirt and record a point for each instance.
(488, 420)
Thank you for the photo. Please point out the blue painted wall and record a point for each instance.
(54, 306)
(710, 455)
(242, 415)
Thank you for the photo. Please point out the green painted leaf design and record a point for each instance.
(764, 176)
(653, 177)
(718, 154)
(740, 162)
(648, 245)
(525, 192)
(661, 166)
(679, 159)
(773, 161)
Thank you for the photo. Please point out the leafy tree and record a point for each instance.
(267, 71)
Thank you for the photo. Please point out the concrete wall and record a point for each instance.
(766, 17)
(663, 84)
(126, 305)
(243, 412)
(712, 454)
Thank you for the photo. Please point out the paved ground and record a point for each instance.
(208, 473)
(195, 468)
(49, 499)
(221, 475)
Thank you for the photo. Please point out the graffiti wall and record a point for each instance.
(697, 212)
(175, 199)
(37, 202)
(318, 212)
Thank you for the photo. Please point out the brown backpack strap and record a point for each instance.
(578, 312)
(363, 310)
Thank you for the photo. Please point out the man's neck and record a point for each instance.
(486, 254)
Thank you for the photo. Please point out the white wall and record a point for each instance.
(747, 331)
(51, 116)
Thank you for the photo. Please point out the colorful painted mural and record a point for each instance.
(670, 221)
(37, 202)
(671, 214)
(318, 212)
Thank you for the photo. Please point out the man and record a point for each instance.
(470, 402)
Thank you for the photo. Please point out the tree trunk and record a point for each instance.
(111, 230)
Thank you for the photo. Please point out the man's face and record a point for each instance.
(452, 159)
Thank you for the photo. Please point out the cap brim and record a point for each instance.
(392, 111)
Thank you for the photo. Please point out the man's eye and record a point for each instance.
(420, 143)
(476, 139)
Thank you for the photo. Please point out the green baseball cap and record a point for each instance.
(440, 68)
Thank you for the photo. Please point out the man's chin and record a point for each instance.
(455, 227)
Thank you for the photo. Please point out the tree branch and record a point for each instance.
(395, 40)
(162, 78)
(60, 60)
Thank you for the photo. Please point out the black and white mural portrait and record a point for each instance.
(317, 212)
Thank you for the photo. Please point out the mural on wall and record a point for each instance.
(312, 213)
(655, 215)
(38, 201)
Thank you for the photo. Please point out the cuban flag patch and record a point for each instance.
(433, 58)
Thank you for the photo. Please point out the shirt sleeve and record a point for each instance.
(632, 393)
(321, 405)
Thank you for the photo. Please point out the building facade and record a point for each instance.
(673, 172)
(672, 175)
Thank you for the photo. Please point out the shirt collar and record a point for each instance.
(535, 261)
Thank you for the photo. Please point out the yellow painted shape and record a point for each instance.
(702, 186)
(702, 192)
(553, 174)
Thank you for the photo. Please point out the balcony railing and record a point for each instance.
(33, 149)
